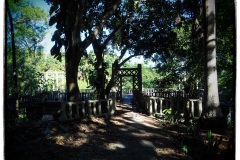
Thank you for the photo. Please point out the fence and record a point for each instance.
(163, 92)
(51, 96)
(156, 104)
(56, 104)
(71, 110)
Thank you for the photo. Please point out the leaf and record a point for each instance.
(209, 134)
(185, 149)
(52, 20)
(55, 51)
(52, 9)
(56, 36)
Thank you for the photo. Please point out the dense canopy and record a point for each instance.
(187, 46)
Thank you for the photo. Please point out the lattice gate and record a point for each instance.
(135, 73)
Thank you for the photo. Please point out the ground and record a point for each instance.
(126, 135)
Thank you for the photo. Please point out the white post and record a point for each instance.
(200, 106)
(161, 101)
(150, 106)
(154, 105)
(99, 108)
(192, 107)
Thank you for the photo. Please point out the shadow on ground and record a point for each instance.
(126, 135)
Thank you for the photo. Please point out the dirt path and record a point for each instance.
(141, 137)
(125, 136)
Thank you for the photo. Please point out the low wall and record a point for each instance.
(62, 110)
(178, 105)
(100, 107)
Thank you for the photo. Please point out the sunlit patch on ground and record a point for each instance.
(114, 146)
(126, 135)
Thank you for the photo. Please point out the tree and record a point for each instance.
(147, 31)
(30, 25)
(70, 19)
(205, 29)
(114, 26)
(92, 17)
(211, 104)
(15, 83)
(183, 64)
(93, 74)
(100, 49)
(192, 32)
(26, 26)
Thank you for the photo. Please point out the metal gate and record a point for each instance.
(135, 73)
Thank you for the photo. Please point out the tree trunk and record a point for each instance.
(74, 53)
(100, 69)
(15, 82)
(71, 78)
(100, 84)
(75, 47)
(211, 98)
(113, 79)
(109, 86)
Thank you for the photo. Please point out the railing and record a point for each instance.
(71, 110)
(48, 96)
(156, 105)
(166, 91)
(55, 103)
(86, 90)
(127, 91)
(168, 94)
(43, 97)
(152, 90)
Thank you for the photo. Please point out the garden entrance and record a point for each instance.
(135, 73)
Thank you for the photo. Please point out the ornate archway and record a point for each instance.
(135, 73)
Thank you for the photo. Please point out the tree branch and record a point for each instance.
(115, 30)
(99, 27)
(128, 58)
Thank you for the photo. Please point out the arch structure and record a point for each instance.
(135, 73)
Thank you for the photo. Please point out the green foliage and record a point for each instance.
(88, 71)
(195, 143)
(184, 63)
(148, 29)
(167, 111)
(171, 75)
(23, 115)
(226, 46)
(148, 76)
(49, 63)
(209, 138)
(168, 115)
(185, 149)
(29, 29)
(143, 28)
(212, 144)
(30, 25)
(127, 82)
(183, 66)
